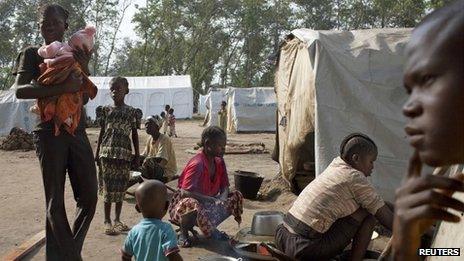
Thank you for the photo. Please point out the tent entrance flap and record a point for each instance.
(339, 82)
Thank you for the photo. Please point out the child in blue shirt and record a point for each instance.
(151, 239)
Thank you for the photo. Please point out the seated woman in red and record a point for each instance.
(203, 198)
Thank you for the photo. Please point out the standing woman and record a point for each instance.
(119, 122)
(62, 153)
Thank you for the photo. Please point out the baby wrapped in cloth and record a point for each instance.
(58, 65)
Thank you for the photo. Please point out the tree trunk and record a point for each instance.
(125, 5)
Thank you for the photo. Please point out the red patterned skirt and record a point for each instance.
(209, 215)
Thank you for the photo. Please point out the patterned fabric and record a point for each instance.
(152, 170)
(115, 174)
(100, 177)
(196, 178)
(118, 123)
(65, 109)
(28, 61)
(209, 215)
(336, 193)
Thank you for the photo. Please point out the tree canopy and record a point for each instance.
(217, 42)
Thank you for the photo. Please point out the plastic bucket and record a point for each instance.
(248, 183)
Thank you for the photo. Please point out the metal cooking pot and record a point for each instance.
(265, 222)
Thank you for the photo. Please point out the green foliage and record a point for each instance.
(19, 23)
(217, 42)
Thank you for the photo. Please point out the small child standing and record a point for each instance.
(119, 123)
(222, 116)
(165, 118)
(172, 123)
(151, 239)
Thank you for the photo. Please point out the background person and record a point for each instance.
(222, 116)
(119, 123)
(337, 207)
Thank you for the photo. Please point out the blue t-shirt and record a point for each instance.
(151, 239)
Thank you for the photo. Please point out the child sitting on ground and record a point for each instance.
(151, 239)
(172, 123)
(340, 205)
(59, 63)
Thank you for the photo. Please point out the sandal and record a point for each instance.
(109, 229)
(120, 227)
(184, 242)
(219, 235)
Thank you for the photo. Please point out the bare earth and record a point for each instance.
(22, 207)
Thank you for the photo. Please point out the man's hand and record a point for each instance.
(420, 202)
(82, 56)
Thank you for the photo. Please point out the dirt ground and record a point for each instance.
(22, 208)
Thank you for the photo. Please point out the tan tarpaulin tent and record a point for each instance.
(334, 83)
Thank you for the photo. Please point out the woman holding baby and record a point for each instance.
(67, 150)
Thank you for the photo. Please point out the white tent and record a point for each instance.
(15, 113)
(150, 94)
(334, 83)
(251, 109)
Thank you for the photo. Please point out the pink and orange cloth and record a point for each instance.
(59, 64)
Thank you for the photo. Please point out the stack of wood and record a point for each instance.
(18, 139)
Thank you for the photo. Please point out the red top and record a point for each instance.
(195, 176)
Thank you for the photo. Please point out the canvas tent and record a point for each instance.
(150, 94)
(251, 109)
(334, 83)
(15, 113)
